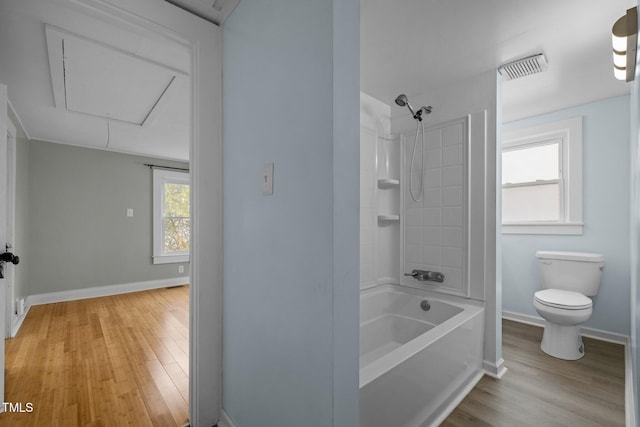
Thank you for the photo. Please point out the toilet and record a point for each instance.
(568, 280)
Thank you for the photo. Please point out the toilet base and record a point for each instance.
(562, 341)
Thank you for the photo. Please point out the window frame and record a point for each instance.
(160, 178)
(569, 133)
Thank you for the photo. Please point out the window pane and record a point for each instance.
(176, 200)
(176, 234)
(175, 218)
(531, 203)
(529, 164)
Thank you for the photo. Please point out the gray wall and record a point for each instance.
(605, 188)
(78, 233)
(291, 96)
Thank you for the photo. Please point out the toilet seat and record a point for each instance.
(566, 300)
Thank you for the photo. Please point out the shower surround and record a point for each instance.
(451, 229)
(433, 228)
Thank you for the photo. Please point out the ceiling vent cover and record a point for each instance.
(524, 67)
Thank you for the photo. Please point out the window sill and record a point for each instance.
(168, 259)
(569, 228)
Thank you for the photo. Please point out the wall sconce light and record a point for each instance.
(624, 37)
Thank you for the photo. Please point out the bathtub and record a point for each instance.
(415, 365)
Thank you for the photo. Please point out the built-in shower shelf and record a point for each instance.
(388, 217)
(388, 183)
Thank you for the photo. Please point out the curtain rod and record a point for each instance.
(165, 167)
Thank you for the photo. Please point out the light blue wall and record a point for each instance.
(606, 207)
(290, 326)
(635, 241)
(346, 212)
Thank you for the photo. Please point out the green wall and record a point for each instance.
(79, 235)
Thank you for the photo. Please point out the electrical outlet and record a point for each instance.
(181, 269)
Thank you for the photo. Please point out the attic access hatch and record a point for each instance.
(93, 78)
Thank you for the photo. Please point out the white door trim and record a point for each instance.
(3, 189)
(10, 316)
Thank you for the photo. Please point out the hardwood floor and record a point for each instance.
(111, 361)
(540, 390)
(123, 360)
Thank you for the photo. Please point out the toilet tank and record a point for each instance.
(571, 271)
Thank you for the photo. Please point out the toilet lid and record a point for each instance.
(567, 300)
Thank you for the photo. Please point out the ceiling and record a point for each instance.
(410, 46)
(75, 79)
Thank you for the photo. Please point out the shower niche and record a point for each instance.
(380, 194)
(388, 183)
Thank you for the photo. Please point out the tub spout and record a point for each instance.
(424, 276)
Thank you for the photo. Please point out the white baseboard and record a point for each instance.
(523, 318)
(495, 370)
(103, 291)
(225, 420)
(17, 321)
(586, 332)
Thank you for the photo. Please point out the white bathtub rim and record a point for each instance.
(452, 299)
(395, 357)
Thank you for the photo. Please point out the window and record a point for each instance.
(542, 179)
(171, 216)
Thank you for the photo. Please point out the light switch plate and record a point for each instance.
(267, 179)
(129, 212)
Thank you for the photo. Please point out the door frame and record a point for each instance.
(10, 314)
(3, 188)
(204, 40)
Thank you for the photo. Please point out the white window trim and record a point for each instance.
(570, 131)
(160, 177)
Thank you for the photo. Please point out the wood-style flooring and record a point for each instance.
(112, 361)
(540, 390)
(123, 360)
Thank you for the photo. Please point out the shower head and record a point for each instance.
(402, 101)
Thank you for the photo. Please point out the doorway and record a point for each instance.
(203, 42)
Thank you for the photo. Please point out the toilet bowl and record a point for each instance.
(568, 279)
(563, 311)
